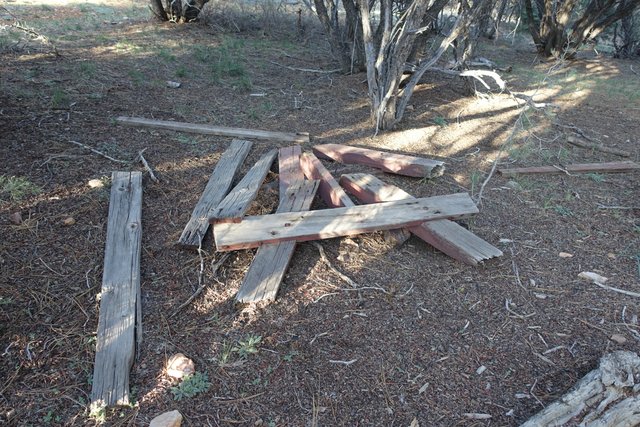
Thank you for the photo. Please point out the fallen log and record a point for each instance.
(443, 234)
(214, 130)
(611, 167)
(400, 164)
(606, 397)
(325, 224)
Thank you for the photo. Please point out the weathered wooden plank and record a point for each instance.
(328, 223)
(330, 191)
(335, 197)
(119, 322)
(597, 146)
(268, 268)
(443, 234)
(299, 137)
(232, 207)
(216, 189)
(289, 167)
(389, 162)
(610, 167)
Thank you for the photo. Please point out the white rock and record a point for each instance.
(173, 85)
(592, 277)
(620, 339)
(95, 183)
(180, 366)
(168, 419)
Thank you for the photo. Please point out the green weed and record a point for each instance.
(562, 210)
(190, 386)
(87, 69)
(166, 54)
(440, 121)
(181, 71)
(248, 346)
(59, 98)
(15, 188)
(596, 177)
(521, 152)
(289, 356)
(136, 76)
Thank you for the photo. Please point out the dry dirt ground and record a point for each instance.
(418, 345)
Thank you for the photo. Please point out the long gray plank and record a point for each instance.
(262, 281)
(214, 130)
(216, 189)
(443, 234)
(328, 223)
(239, 199)
(119, 322)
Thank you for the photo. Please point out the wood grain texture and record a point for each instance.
(389, 162)
(328, 223)
(119, 323)
(263, 279)
(445, 235)
(216, 189)
(289, 167)
(236, 203)
(299, 137)
(611, 167)
(334, 196)
(330, 191)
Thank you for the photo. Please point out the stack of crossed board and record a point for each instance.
(301, 177)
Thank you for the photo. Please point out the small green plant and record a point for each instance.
(225, 355)
(6, 300)
(166, 54)
(88, 69)
(98, 413)
(190, 386)
(289, 356)
(59, 98)
(182, 139)
(521, 152)
(562, 210)
(596, 177)
(440, 121)
(136, 76)
(181, 71)
(248, 346)
(253, 114)
(475, 178)
(16, 188)
(244, 83)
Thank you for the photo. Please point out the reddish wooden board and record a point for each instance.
(330, 191)
(324, 224)
(445, 235)
(289, 167)
(389, 162)
(575, 168)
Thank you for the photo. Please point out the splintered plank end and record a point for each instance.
(400, 164)
(330, 191)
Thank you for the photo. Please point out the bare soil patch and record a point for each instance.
(417, 347)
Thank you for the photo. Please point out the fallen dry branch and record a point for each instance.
(324, 258)
(605, 397)
(596, 146)
(201, 283)
(306, 70)
(611, 167)
(146, 166)
(100, 153)
(215, 130)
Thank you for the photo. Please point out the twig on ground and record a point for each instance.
(306, 70)
(621, 291)
(516, 271)
(632, 70)
(146, 166)
(240, 399)
(100, 153)
(19, 26)
(324, 258)
(597, 146)
(507, 305)
(343, 362)
(619, 207)
(201, 285)
(633, 332)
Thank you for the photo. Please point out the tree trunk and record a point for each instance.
(158, 10)
(177, 10)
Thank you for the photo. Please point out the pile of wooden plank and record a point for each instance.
(302, 176)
